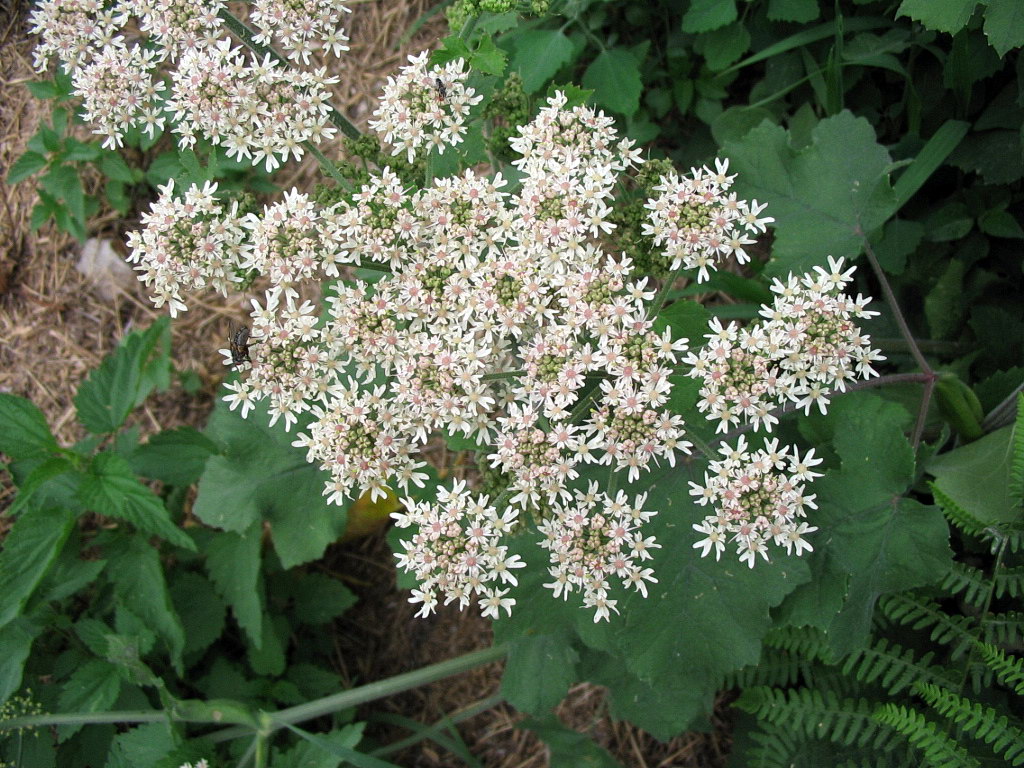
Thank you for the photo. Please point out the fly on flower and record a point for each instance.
(442, 92)
(238, 343)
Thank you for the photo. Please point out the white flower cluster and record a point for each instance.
(456, 551)
(258, 109)
(699, 224)
(759, 499)
(807, 346)
(300, 27)
(200, 764)
(594, 538)
(188, 244)
(262, 111)
(424, 107)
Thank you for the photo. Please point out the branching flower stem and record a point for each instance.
(929, 375)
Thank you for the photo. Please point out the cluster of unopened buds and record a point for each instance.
(498, 316)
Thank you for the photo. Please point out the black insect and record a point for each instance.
(442, 92)
(238, 342)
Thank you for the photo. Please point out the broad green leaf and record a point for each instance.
(233, 562)
(614, 76)
(723, 46)
(125, 378)
(825, 197)
(43, 89)
(1004, 24)
(115, 168)
(23, 430)
(16, 640)
(800, 11)
(687, 319)
(141, 747)
(900, 239)
(262, 477)
(869, 535)
(327, 750)
(110, 488)
(539, 671)
(994, 155)
(33, 488)
(931, 156)
(25, 166)
(30, 548)
(174, 456)
(135, 569)
(539, 54)
(706, 15)
(200, 608)
(488, 58)
(944, 306)
(92, 687)
(320, 598)
(976, 477)
(269, 659)
(941, 15)
(1000, 223)
(568, 748)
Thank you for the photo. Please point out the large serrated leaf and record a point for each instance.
(30, 548)
(539, 670)
(614, 76)
(825, 197)
(110, 488)
(233, 562)
(539, 54)
(174, 456)
(92, 687)
(23, 430)
(125, 378)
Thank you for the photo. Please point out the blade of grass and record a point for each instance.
(931, 156)
(356, 758)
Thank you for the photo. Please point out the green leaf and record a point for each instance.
(269, 659)
(1004, 25)
(92, 687)
(539, 672)
(706, 15)
(800, 11)
(115, 168)
(200, 608)
(327, 750)
(16, 639)
(825, 197)
(174, 456)
(976, 477)
(135, 569)
(931, 156)
(110, 488)
(614, 76)
(869, 535)
(262, 477)
(80, 150)
(233, 562)
(125, 378)
(944, 305)
(568, 749)
(995, 155)
(319, 598)
(141, 747)
(723, 46)
(539, 54)
(24, 433)
(941, 15)
(1000, 223)
(42, 89)
(488, 58)
(25, 166)
(900, 238)
(30, 547)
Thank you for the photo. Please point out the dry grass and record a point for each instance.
(56, 325)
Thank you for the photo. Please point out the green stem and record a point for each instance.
(502, 375)
(370, 692)
(454, 719)
(328, 166)
(662, 297)
(467, 30)
(248, 37)
(87, 718)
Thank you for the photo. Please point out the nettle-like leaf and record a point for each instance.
(30, 548)
(260, 477)
(233, 562)
(174, 456)
(110, 488)
(125, 378)
(539, 54)
(871, 538)
(24, 433)
(614, 76)
(823, 196)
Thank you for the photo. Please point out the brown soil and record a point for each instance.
(56, 325)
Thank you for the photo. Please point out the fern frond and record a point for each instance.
(1009, 669)
(1009, 581)
(807, 642)
(775, 748)
(957, 515)
(1004, 629)
(940, 751)
(892, 666)
(1017, 455)
(952, 631)
(979, 721)
(972, 582)
(779, 668)
(818, 714)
